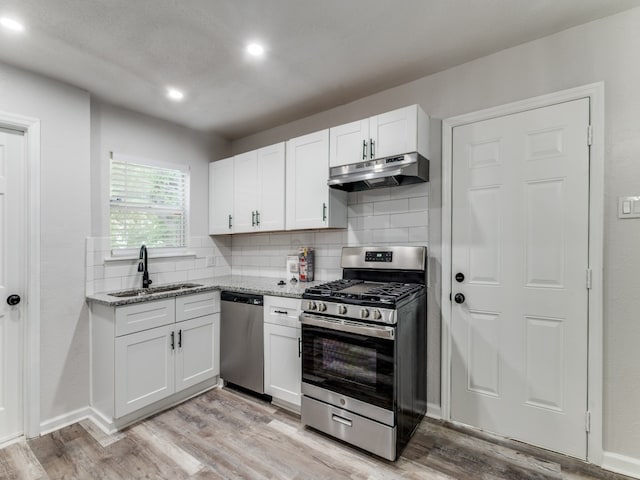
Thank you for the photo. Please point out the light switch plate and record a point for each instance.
(629, 207)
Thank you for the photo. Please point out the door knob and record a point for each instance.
(13, 300)
(459, 277)
(459, 298)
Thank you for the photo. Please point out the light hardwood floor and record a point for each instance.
(224, 434)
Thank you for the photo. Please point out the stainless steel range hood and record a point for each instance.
(383, 172)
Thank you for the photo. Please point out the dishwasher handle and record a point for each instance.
(246, 298)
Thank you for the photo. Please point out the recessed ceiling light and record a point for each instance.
(255, 49)
(175, 94)
(11, 24)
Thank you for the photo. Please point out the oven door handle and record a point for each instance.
(348, 326)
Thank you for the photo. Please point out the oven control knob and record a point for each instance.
(311, 306)
(364, 313)
(342, 309)
(322, 307)
(376, 314)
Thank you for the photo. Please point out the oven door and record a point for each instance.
(350, 358)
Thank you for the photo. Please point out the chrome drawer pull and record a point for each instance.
(343, 421)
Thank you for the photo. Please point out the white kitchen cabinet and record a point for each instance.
(270, 208)
(245, 186)
(392, 133)
(145, 369)
(197, 358)
(282, 350)
(310, 202)
(259, 178)
(145, 366)
(221, 197)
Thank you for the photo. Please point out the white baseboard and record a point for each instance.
(61, 421)
(434, 411)
(615, 462)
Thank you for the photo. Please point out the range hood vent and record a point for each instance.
(383, 172)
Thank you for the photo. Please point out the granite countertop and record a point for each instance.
(234, 283)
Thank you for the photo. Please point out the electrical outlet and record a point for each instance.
(211, 261)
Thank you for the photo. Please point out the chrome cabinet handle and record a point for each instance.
(230, 221)
(372, 150)
(324, 212)
(364, 149)
(253, 218)
(257, 218)
(179, 338)
(173, 340)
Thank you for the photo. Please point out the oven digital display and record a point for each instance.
(378, 256)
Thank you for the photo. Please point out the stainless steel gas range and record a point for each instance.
(364, 349)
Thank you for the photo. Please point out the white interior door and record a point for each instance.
(520, 239)
(12, 281)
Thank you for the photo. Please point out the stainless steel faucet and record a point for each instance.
(142, 267)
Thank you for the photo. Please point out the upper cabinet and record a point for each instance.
(259, 180)
(397, 132)
(246, 192)
(221, 196)
(310, 202)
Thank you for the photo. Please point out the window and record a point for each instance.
(148, 204)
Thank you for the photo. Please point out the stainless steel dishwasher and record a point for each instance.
(241, 340)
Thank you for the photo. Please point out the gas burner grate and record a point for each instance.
(330, 288)
(391, 292)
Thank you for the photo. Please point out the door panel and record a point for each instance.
(349, 143)
(197, 357)
(245, 191)
(12, 281)
(520, 237)
(221, 196)
(271, 183)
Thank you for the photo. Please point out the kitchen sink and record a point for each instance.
(139, 292)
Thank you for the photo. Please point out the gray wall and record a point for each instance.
(65, 222)
(124, 131)
(604, 50)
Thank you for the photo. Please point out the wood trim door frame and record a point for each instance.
(31, 344)
(595, 92)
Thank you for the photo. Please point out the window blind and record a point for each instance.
(148, 205)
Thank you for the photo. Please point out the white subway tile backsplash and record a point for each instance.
(418, 234)
(360, 210)
(328, 238)
(413, 219)
(382, 216)
(391, 206)
(391, 235)
(375, 195)
(408, 191)
(375, 221)
(419, 203)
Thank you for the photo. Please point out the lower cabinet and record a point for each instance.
(147, 352)
(156, 363)
(282, 350)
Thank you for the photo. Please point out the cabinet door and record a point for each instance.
(349, 143)
(245, 191)
(394, 133)
(307, 174)
(197, 350)
(221, 197)
(282, 363)
(144, 369)
(271, 183)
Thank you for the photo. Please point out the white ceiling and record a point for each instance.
(320, 53)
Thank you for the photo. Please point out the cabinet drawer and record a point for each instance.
(143, 316)
(198, 305)
(282, 311)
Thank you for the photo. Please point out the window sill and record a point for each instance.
(128, 258)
